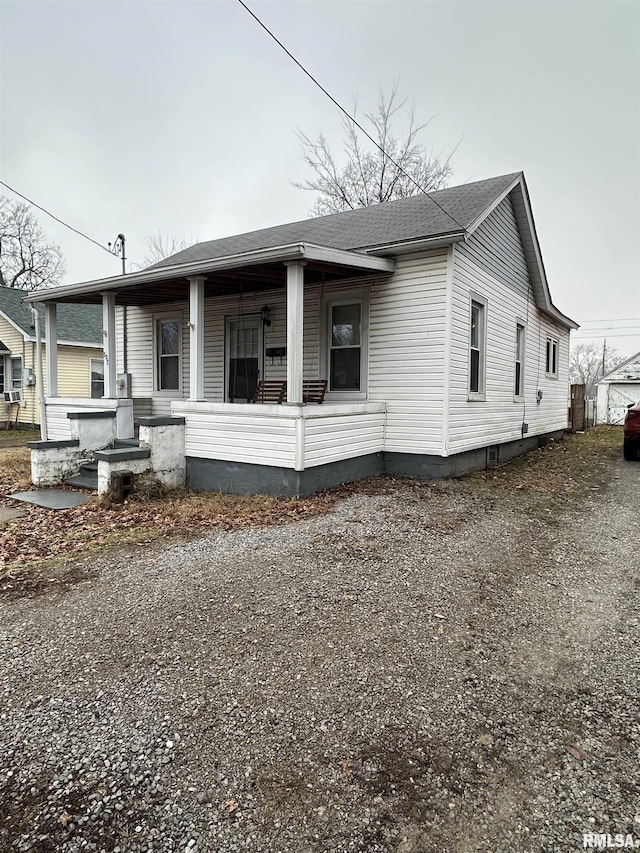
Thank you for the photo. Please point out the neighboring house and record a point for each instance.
(430, 317)
(617, 390)
(80, 355)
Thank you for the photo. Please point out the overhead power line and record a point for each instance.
(347, 114)
(611, 320)
(587, 334)
(61, 221)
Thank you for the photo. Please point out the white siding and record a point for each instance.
(331, 438)
(285, 437)
(59, 425)
(505, 286)
(406, 351)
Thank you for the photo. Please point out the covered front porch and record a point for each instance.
(193, 343)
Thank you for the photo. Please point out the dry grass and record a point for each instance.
(17, 437)
(554, 476)
(15, 469)
(542, 483)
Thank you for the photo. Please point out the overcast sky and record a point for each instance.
(180, 117)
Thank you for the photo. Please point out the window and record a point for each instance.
(477, 344)
(551, 367)
(1, 374)
(168, 345)
(97, 377)
(16, 373)
(345, 346)
(519, 376)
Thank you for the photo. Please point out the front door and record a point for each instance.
(244, 357)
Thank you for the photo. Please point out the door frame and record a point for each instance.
(253, 318)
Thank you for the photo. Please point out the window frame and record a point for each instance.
(166, 317)
(552, 357)
(91, 380)
(479, 395)
(16, 384)
(3, 375)
(519, 377)
(352, 297)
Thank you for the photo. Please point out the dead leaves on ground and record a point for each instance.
(42, 534)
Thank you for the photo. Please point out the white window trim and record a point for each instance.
(328, 302)
(91, 360)
(551, 374)
(519, 398)
(170, 392)
(9, 378)
(481, 394)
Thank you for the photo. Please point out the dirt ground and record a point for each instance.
(426, 667)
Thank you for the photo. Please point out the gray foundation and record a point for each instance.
(240, 478)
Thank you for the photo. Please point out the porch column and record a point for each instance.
(295, 308)
(51, 336)
(196, 337)
(109, 343)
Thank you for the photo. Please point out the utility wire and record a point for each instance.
(610, 320)
(66, 225)
(348, 115)
(608, 335)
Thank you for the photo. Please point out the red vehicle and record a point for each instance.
(632, 432)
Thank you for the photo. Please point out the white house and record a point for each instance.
(429, 317)
(617, 390)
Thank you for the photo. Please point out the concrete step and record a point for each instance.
(126, 442)
(81, 482)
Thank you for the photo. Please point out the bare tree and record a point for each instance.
(27, 260)
(161, 246)
(586, 367)
(368, 177)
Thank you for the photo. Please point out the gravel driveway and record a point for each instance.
(428, 669)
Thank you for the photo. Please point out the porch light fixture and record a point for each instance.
(265, 311)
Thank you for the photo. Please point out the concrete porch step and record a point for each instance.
(126, 442)
(81, 482)
(87, 478)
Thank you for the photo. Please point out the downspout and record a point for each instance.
(39, 377)
(33, 407)
(124, 339)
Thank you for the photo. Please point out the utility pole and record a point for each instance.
(604, 355)
(118, 250)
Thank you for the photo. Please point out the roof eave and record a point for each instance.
(277, 254)
(419, 244)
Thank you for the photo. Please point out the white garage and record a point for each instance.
(617, 390)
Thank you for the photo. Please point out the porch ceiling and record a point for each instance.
(251, 280)
(242, 274)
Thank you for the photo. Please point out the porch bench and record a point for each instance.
(275, 391)
(270, 391)
(313, 390)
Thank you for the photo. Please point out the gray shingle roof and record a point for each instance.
(4, 347)
(78, 323)
(392, 222)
